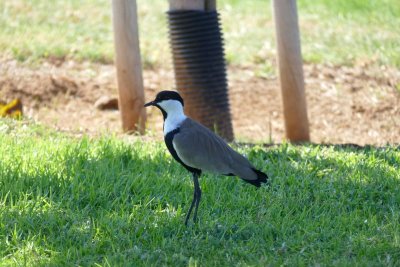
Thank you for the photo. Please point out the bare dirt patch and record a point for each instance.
(358, 105)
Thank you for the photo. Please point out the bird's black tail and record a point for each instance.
(261, 178)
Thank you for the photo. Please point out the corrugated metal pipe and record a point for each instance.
(200, 71)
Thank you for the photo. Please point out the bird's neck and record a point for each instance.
(174, 119)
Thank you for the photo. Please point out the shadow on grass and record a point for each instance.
(124, 206)
(91, 206)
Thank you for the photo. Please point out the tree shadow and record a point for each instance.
(358, 192)
(101, 208)
(94, 206)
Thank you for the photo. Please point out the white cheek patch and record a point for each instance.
(164, 105)
(171, 105)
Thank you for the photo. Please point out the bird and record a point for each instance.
(198, 149)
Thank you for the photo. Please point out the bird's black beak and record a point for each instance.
(151, 103)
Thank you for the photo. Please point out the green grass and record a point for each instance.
(109, 202)
(337, 32)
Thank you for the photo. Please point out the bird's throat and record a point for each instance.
(173, 121)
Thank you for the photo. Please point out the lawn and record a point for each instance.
(115, 201)
(336, 32)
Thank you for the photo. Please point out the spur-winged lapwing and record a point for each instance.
(198, 149)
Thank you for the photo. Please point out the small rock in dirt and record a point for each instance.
(106, 103)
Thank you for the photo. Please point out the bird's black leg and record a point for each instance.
(197, 191)
(191, 206)
(196, 198)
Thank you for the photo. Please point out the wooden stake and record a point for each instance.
(291, 70)
(129, 66)
(210, 5)
(186, 4)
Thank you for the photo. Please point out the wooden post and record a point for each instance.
(193, 5)
(211, 5)
(128, 65)
(187, 4)
(291, 70)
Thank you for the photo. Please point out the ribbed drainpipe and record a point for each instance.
(200, 71)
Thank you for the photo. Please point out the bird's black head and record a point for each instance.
(165, 95)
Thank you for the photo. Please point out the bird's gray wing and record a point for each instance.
(200, 148)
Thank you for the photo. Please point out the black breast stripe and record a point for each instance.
(168, 141)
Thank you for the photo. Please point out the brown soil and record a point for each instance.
(358, 105)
